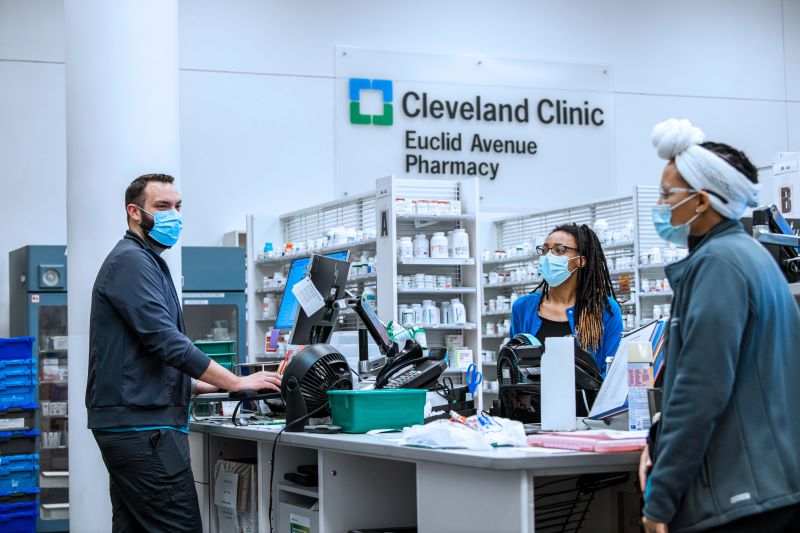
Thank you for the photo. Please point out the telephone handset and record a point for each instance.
(410, 369)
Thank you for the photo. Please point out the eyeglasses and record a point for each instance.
(557, 249)
(666, 193)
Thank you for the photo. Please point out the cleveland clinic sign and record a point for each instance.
(459, 117)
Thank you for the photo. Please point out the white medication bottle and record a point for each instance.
(405, 248)
(439, 245)
(269, 307)
(645, 285)
(421, 246)
(450, 250)
(422, 339)
(370, 295)
(430, 313)
(459, 312)
(460, 243)
(446, 317)
(417, 309)
(406, 316)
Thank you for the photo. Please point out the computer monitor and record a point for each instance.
(329, 275)
(287, 312)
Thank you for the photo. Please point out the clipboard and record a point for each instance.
(613, 396)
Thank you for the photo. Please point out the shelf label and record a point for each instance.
(12, 423)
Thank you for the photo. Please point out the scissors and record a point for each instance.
(474, 378)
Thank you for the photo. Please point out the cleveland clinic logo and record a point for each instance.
(362, 84)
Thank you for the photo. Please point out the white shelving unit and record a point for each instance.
(645, 198)
(304, 226)
(520, 266)
(534, 227)
(455, 291)
(618, 211)
(429, 262)
(466, 273)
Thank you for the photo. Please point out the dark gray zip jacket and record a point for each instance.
(140, 359)
(728, 444)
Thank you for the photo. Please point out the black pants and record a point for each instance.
(151, 481)
(783, 520)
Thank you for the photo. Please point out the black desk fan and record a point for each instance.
(314, 371)
(308, 377)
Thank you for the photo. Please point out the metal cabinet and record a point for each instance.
(38, 304)
(214, 300)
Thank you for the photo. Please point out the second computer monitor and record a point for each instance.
(328, 273)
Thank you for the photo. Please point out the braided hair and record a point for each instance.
(594, 286)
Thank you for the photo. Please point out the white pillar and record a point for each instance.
(122, 121)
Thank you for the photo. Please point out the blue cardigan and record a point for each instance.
(525, 319)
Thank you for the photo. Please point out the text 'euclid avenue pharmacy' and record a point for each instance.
(436, 153)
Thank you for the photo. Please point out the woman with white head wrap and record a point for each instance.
(718, 181)
(724, 455)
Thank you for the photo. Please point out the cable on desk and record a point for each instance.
(275, 447)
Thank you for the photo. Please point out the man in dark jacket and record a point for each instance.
(726, 453)
(141, 366)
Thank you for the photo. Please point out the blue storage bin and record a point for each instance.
(16, 348)
(18, 368)
(28, 495)
(18, 472)
(18, 443)
(18, 390)
(18, 517)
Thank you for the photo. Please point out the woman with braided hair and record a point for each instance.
(575, 297)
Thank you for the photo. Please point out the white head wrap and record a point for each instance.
(703, 169)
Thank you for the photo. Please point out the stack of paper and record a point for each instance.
(600, 440)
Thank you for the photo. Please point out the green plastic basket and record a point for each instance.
(216, 347)
(359, 411)
(225, 359)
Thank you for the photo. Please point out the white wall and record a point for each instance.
(33, 171)
(257, 95)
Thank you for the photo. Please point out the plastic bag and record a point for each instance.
(445, 434)
(400, 334)
(502, 431)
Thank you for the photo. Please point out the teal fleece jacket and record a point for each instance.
(728, 444)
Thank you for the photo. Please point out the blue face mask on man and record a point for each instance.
(555, 268)
(662, 216)
(166, 228)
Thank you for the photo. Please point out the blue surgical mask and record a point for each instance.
(555, 268)
(662, 216)
(166, 228)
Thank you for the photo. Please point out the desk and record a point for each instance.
(368, 481)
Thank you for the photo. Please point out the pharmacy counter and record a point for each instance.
(368, 481)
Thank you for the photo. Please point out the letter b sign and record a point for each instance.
(786, 199)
